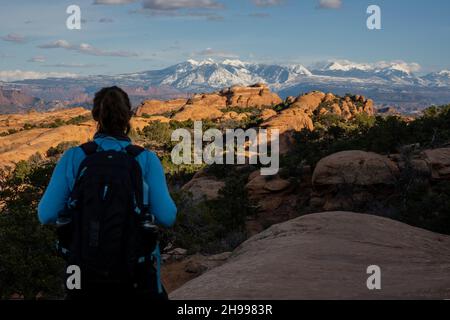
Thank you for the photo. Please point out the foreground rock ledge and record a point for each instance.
(325, 256)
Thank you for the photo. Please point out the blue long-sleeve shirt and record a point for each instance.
(156, 193)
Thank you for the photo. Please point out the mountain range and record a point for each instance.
(388, 83)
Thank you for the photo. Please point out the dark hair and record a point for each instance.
(112, 111)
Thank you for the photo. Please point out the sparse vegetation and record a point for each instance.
(28, 263)
(413, 196)
(213, 226)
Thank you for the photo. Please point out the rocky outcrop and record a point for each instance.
(320, 103)
(326, 256)
(298, 115)
(291, 119)
(24, 144)
(157, 107)
(287, 122)
(309, 102)
(210, 105)
(17, 121)
(256, 96)
(202, 107)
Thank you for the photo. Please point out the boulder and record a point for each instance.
(310, 101)
(326, 256)
(356, 168)
(274, 199)
(329, 97)
(196, 112)
(291, 119)
(203, 188)
(202, 107)
(439, 162)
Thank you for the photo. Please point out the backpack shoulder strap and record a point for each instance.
(89, 148)
(134, 151)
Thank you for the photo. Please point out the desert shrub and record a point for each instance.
(36, 158)
(241, 110)
(79, 119)
(426, 206)
(382, 135)
(158, 132)
(29, 126)
(61, 148)
(178, 175)
(415, 200)
(9, 132)
(282, 106)
(55, 124)
(28, 263)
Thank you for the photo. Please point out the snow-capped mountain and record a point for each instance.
(438, 79)
(399, 73)
(388, 83)
(209, 74)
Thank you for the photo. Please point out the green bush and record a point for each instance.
(61, 148)
(212, 226)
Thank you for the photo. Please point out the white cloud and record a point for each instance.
(39, 59)
(209, 52)
(181, 4)
(14, 37)
(86, 49)
(15, 75)
(267, 3)
(330, 4)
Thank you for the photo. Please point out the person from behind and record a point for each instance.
(108, 198)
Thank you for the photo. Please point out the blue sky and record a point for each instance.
(151, 34)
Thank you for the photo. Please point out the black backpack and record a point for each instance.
(102, 227)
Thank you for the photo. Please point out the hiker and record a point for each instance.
(107, 197)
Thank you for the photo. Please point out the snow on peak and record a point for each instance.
(444, 73)
(402, 67)
(193, 62)
(234, 63)
(381, 66)
(206, 62)
(345, 65)
(300, 69)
